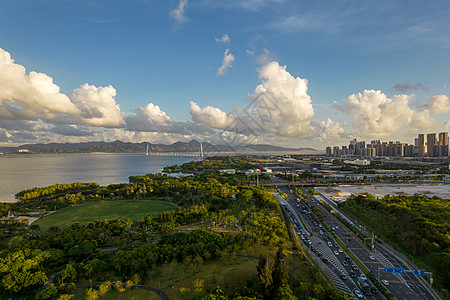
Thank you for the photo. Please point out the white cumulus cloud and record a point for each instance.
(34, 96)
(440, 104)
(375, 115)
(281, 101)
(98, 105)
(228, 58)
(332, 133)
(29, 96)
(210, 116)
(280, 106)
(150, 118)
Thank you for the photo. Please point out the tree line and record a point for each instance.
(418, 224)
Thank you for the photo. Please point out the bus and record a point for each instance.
(364, 286)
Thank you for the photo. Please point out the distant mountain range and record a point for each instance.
(125, 147)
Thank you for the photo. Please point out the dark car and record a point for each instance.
(354, 267)
(347, 258)
(352, 274)
(374, 290)
(325, 260)
(343, 276)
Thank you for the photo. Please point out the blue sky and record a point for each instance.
(152, 58)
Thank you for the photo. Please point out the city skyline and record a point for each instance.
(287, 73)
(425, 145)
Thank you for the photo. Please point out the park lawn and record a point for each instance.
(133, 294)
(122, 209)
(228, 272)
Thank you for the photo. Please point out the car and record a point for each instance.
(336, 253)
(329, 244)
(358, 293)
(319, 254)
(373, 289)
(343, 276)
(325, 260)
(363, 276)
(352, 274)
(324, 238)
(372, 257)
(344, 263)
(336, 244)
(321, 232)
(347, 258)
(320, 225)
(385, 282)
(332, 227)
(340, 250)
(313, 250)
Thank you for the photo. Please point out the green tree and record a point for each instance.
(92, 294)
(23, 269)
(280, 270)
(47, 292)
(284, 292)
(265, 275)
(68, 273)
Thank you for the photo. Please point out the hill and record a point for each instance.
(127, 147)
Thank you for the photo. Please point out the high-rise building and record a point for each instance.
(336, 151)
(352, 147)
(443, 144)
(328, 151)
(431, 143)
(421, 145)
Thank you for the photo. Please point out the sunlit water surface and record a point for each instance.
(19, 172)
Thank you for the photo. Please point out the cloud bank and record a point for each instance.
(279, 111)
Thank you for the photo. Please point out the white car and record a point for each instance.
(372, 257)
(336, 253)
(358, 293)
(385, 282)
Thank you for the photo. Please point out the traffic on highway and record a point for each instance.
(324, 237)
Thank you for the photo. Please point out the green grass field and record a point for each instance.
(122, 209)
(228, 272)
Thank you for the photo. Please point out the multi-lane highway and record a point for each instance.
(324, 249)
(336, 264)
(401, 286)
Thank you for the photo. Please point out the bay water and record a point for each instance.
(22, 171)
